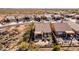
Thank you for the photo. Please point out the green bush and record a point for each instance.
(24, 46)
(57, 47)
(33, 47)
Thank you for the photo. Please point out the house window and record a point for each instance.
(38, 36)
(60, 33)
(45, 35)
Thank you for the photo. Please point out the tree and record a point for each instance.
(23, 46)
(32, 31)
(33, 47)
(57, 47)
(32, 25)
(26, 35)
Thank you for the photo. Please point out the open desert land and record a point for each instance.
(11, 36)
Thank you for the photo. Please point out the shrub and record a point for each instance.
(57, 47)
(24, 46)
(33, 47)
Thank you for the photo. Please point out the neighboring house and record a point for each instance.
(63, 33)
(2, 17)
(61, 28)
(57, 17)
(74, 26)
(43, 17)
(77, 18)
(69, 15)
(37, 18)
(47, 17)
(10, 18)
(20, 18)
(27, 18)
(42, 31)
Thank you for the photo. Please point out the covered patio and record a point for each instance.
(64, 33)
(42, 31)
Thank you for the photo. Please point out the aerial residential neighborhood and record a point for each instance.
(39, 30)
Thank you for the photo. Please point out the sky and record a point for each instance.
(39, 4)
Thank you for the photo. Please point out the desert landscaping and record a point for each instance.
(39, 29)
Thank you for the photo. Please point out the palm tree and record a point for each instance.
(28, 33)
